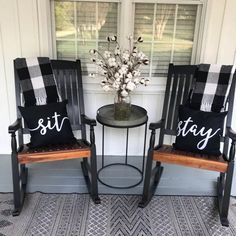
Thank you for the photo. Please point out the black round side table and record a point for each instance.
(138, 117)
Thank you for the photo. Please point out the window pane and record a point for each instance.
(144, 14)
(83, 53)
(66, 50)
(81, 26)
(184, 34)
(161, 58)
(185, 23)
(169, 28)
(146, 49)
(64, 15)
(107, 19)
(182, 54)
(86, 20)
(164, 22)
(103, 46)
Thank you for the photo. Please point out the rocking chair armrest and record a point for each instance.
(231, 133)
(86, 120)
(15, 126)
(157, 125)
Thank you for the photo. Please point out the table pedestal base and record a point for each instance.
(120, 164)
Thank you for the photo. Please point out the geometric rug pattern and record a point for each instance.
(117, 215)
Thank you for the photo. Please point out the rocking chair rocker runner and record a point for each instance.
(69, 80)
(180, 81)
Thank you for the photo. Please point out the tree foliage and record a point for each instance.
(64, 13)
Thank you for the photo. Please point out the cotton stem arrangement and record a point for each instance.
(120, 69)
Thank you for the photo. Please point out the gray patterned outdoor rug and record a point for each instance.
(76, 214)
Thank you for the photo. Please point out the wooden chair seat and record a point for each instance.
(54, 152)
(168, 154)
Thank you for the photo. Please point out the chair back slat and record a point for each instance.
(229, 108)
(167, 93)
(179, 83)
(179, 99)
(172, 100)
(18, 92)
(67, 80)
(187, 87)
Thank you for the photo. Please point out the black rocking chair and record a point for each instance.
(180, 80)
(69, 80)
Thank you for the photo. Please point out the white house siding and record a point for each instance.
(25, 31)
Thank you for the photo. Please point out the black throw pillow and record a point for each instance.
(48, 124)
(199, 131)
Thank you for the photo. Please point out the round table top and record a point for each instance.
(105, 116)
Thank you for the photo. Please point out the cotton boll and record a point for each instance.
(117, 75)
(106, 88)
(123, 69)
(129, 75)
(124, 93)
(117, 51)
(107, 54)
(136, 81)
(130, 86)
(140, 39)
(116, 85)
(130, 37)
(123, 86)
(147, 82)
(103, 82)
(130, 64)
(141, 55)
(136, 73)
(112, 62)
(113, 38)
(127, 80)
(125, 56)
(100, 63)
(142, 81)
(145, 61)
(92, 51)
(121, 76)
(135, 50)
(92, 75)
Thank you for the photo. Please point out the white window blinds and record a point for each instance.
(81, 26)
(168, 32)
